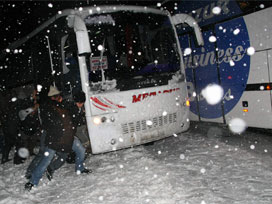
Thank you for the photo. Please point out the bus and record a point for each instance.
(127, 60)
(236, 56)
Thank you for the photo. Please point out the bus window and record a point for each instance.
(252, 6)
(71, 74)
(130, 47)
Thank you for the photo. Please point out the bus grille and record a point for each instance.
(142, 125)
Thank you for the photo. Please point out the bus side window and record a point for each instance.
(252, 6)
(72, 75)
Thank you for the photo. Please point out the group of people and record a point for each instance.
(58, 119)
(11, 125)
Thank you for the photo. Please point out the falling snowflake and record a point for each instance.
(212, 38)
(261, 6)
(149, 122)
(182, 156)
(213, 94)
(237, 125)
(39, 88)
(231, 62)
(100, 47)
(23, 152)
(187, 51)
(216, 10)
(252, 146)
(236, 31)
(203, 170)
(250, 51)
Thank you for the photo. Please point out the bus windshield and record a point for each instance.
(136, 49)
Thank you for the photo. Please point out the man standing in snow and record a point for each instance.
(58, 124)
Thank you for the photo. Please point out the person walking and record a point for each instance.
(57, 122)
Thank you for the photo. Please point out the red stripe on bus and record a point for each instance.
(99, 107)
(119, 106)
(99, 102)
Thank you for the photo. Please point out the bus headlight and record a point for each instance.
(97, 121)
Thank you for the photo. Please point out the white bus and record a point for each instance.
(236, 56)
(127, 60)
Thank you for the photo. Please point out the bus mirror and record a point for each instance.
(83, 42)
(80, 29)
(185, 18)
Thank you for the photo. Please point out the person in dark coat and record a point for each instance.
(57, 122)
(30, 126)
(11, 126)
(76, 111)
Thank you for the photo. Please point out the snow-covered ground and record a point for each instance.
(206, 165)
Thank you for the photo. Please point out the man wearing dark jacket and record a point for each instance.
(11, 131)
(58, 124)
(76, 111)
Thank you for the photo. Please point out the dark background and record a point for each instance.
(18, 18)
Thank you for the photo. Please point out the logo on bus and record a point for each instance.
(141, 97)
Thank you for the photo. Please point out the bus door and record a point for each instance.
(189, 71)
(232, 61)
(206, 73)
(202, 71)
